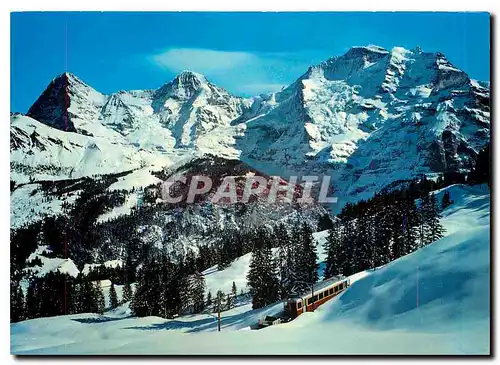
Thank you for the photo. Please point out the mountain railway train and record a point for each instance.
(321, 292)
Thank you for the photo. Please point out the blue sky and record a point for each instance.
(246, 53)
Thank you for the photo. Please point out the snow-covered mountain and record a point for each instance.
(373, 116)
(173, 116)
(40, 152)
(368, 117)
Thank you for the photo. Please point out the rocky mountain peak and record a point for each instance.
(51, 107)
(369, 51)
(187, 78)
(66, 99)
(183, 87)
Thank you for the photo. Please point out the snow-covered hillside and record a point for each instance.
(433, 301)
(39, 152)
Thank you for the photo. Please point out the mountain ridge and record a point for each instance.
(427, 115)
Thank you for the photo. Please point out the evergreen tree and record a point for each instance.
(306, 261)
(422, 223)
(186, 301)
(229, 302)
(284, 260)
(192, 293)
(51, 295)
(198, 292)
(481, 171)
(151, 296)
(382, 234)
(113, 299)
(436, 230)
(32, 302)
(363, 244)
(346, 259)
(334, 248)
(129, 268)
(262, 276)
(171, 283)
(139, 304)
(430, 228)
(101, 304)
(219, 301)
(88, 296)
(17, 303)
(446, 201)
(226, 252)
(234, 290)
(189, 263)
(410, 223)
(209, 299)
(405, 220)
(75, 299)
(325, 222)
(127, 292)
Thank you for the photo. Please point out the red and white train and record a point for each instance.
(321, 292)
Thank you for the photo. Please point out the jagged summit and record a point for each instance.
(184, 86)
(372, 48)
(188, 76)
(52, 106)
(65, 76)
(66, 99)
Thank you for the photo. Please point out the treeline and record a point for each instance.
(166, 284)
(480, 174)
(293, 267)
(374, 232)
(55, 294)
(166, 288)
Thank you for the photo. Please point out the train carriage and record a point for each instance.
(295, 305)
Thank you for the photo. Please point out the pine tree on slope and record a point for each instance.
(436, 230)
(307, 266)
(284, 260)
(333, 247)
(127, 292)
(209, 299)
(113, 299)
(101, 304)
(262, 277)
(17, 303)
(446, 201)
(430, 228)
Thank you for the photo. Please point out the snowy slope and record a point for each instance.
(433, 301)
(44, 153)
(28, 204)
(444, 286)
